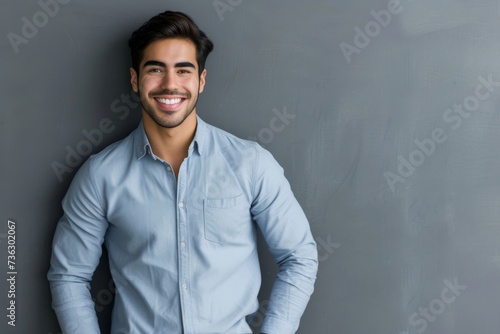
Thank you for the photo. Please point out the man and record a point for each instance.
(177, 204)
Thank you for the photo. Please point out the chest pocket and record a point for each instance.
(225, 218)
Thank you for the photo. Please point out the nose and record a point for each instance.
(169, 81)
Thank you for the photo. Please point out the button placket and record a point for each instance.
(183, 253)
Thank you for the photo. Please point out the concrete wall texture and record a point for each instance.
(385, 115)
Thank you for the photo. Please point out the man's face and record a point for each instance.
(168, 82)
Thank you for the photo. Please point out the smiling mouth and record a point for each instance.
(169, 101)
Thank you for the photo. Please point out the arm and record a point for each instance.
(287, 233)
(77, 247)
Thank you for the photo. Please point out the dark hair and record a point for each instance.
(169, 25)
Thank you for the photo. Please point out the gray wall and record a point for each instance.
(392, 148)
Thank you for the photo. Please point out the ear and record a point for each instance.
(133, 80)
(202, 80)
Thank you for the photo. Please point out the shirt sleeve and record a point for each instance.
(76, 250)
(288, 235)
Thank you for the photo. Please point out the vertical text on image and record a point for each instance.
(11, 273)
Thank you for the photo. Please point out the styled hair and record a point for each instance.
(165, 25)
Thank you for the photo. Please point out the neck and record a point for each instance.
(170, 144)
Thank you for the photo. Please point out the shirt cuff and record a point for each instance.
(273, 325)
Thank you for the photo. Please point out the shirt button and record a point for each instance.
(183, 244)
(169, 169)
(181, 205)
(184, 286)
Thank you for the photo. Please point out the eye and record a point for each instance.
(154, 70)
(184, 71)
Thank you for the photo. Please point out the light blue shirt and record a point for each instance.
(182, 252)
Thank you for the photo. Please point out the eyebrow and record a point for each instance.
(162, 64)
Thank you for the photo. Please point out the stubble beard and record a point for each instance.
(155, 114)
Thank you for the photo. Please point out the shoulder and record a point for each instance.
(113, 157)
(230, 145)
(224, 137)
(242, 152)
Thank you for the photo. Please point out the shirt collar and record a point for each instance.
(142, 146)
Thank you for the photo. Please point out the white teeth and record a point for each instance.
(169, 101)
